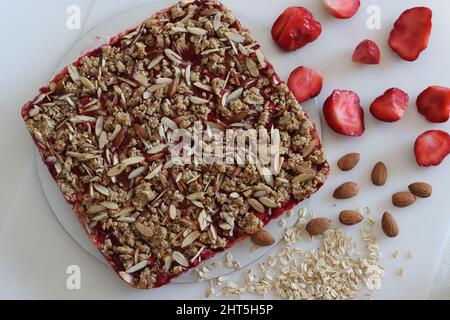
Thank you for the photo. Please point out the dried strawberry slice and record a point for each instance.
(391, 106)
(367, 52)
(342, 9)
(411, 33)
(432, 147)
(343, 113)
(305, 83)
(295, 28)
(434, 104)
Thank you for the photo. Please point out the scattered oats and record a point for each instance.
(395, 254)
(209, 291)
(401, 271)
(409, 255)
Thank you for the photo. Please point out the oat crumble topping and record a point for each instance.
(102, 127)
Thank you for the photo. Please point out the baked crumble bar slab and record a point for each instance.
(102, 125)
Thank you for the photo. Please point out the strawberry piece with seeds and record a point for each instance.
(343, 113)
(432, 147)
(434, 104)
(411, 33)
(342, 9)
(305, 83)
(391, 106)
(367, 52)
(295, 28)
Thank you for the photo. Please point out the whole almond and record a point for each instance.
(348, 162)
(403, 199)
(389, 225)
(346, 190)
(318, 226)
(420, 189)
(262, 238)
(350, 217)
(119, 138)
(379, 174)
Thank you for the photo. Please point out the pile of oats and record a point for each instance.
(333, 271)
(104, 127)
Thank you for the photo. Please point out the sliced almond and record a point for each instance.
(302, 178)
(172, 212)
(169, 123)
(137, 267)
(180, 259)
(235, 37)
(87, 83)
(197, 31)
(110, 205)
(133, 160)
(154, 172)
(252, 68)
(101, 189)
(144, 230)
(136, 172)
(268, 202)
(255, 204)
(116, 170)
(197, 100)
(190, 238)
(155, 61)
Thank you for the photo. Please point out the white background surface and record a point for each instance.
(35, 250)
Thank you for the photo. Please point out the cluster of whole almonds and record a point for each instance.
(318, 226)
(379, 177)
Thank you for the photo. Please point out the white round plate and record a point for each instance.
(99, 35)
